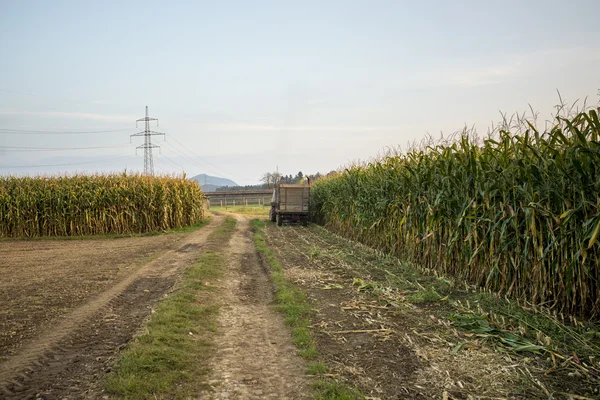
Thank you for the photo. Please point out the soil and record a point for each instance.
(68, 306)
(380, 344)
(255, 356)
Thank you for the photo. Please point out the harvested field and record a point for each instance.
(70, 305)
(385, 331)
(44, 279)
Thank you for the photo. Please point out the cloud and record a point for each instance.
(71, 115)
(486, 75)
(476, 72)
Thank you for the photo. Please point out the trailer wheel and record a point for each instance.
(272, 214)
(279, 220)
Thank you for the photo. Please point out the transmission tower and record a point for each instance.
(147, 146)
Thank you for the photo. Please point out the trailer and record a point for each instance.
(290, 203)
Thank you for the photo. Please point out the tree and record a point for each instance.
(276, 178)
(266, 178)
(271, 178)
(299, 177)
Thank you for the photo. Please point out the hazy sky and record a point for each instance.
(244, 86)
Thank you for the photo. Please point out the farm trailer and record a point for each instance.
(290, 203)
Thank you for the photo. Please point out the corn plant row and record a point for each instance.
(518, 214)
(98, 204)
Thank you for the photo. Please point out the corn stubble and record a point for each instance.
(96, 204)
(518, 214)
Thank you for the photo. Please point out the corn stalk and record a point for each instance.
(518, 214)
(96, 204)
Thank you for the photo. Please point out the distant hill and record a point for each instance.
(211, 183)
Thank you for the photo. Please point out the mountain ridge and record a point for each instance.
(211, 183)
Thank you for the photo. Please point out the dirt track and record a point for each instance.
(255, 356)
(72, 305)
(51, 352)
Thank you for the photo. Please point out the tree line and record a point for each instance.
(270, 179)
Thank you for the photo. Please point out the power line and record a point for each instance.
(170, 161)
(196, 163)
(197, 156)
(28, 149)
(185, 156)
(190, 160)
(66, 164)
(163, 170)
(35, 132)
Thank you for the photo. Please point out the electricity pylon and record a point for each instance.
(147, 146)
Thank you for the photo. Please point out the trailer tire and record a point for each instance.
(272, 214)
(279, 220)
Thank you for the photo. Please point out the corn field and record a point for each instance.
(518, 213)
(99, 204)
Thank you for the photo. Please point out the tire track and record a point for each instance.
(70, 360)
(255, 357)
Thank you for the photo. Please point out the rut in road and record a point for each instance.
(255, 356)
(69, 361)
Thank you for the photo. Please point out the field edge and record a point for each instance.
(169, 359)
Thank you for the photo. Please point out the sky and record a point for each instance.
(244, 87)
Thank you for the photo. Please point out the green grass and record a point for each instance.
(424, 296)
(334, 390)
(170, 358)
(249, 210)
(316, 368)
(298, 312)
(291, 301)
(190, 228)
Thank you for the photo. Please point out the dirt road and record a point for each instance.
(69, 306)
(255, 356)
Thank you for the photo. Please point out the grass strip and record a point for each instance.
(335, 390)
(246, 210)
(291, 301)
(298, 312)
(170, 358)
